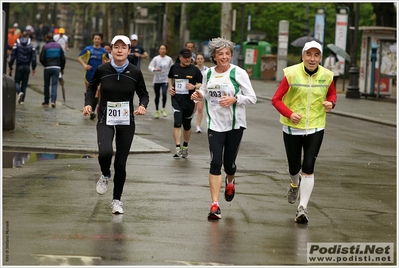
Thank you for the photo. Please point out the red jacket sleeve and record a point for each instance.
(332, 94)
(277, 99)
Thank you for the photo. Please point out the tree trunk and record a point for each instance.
(225, 21)
(170, 24)
(183, 24)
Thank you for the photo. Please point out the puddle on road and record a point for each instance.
(17, 159)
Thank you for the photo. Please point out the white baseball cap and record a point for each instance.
(311, 44)
(134, 37)
(123, 38)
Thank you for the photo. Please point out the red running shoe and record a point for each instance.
(215, 213)
(229, 191)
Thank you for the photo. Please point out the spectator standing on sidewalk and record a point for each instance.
(24, 54)
(90, 58)
(183, 79)
(52, 57)
(160, 66)
(303, 98)
(137, 52)
(332, 64)
(226, 90)
(199, 106)
(62, 39)
(119, 80)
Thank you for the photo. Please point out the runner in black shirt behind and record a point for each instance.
(184, 78)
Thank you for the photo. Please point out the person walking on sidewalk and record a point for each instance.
(119, 80)
(52, 57)
(226, 90)
(199, 106)
(23, 52)
(183, 79)
(90, 58)
(304, 96)
(160, 66)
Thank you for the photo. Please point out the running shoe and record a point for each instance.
(53, 104)
(164, 114)
(20, 97)
(301, 215)
(229, 190)
(293, 192)
(178, 152)
(215, 213)
(198, 129)
(156, 114)
(102, 184)
(116, 206)
(184, 152)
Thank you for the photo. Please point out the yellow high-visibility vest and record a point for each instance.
(306, 95)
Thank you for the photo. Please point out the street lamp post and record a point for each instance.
(353, 88)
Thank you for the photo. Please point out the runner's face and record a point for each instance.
(185, 61)
(190, 46)
(97, 40)
(199, 59)
(223, 57)
(162, 50)
(120, 51)
(311, 58)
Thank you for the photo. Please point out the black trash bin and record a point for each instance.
(9, 99)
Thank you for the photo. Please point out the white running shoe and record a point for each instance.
(102, 184)
(116, 206)
(20, 97)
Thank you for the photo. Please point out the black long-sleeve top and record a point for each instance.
(117, 87)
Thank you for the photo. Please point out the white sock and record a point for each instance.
(295, 179)
(305, 191)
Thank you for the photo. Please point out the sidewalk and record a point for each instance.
(65, 130)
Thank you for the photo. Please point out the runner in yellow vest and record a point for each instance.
(303, 98)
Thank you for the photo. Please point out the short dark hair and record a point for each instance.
(49, 36)
(162, 45)
(99, 34)
(105, 43)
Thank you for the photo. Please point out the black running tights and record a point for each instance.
(293, 147)
(123, 141)
(223, 147)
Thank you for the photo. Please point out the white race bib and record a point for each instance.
(216, 92)
(180, 86)
(118, 113)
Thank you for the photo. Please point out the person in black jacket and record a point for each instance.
(52, 57)
(120, 80)
(23, 52)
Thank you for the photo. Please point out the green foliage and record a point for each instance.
(203, 20)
